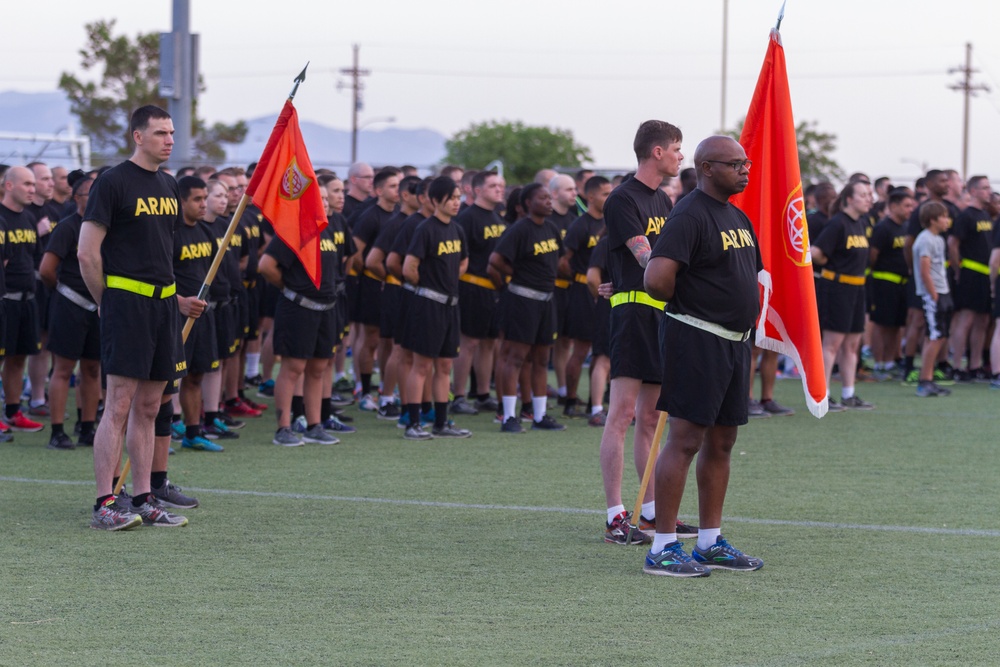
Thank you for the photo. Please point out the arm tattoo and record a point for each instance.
(639, 247)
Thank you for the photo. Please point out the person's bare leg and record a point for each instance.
(59, 387)
(467, 351)
(38, 370)
(312, 389)
(621, 410)
(684, 441)
(289, 373)
(712, 473)
(139, 438)
(600, 368)
(560, 356)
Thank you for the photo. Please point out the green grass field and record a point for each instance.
(876, 529)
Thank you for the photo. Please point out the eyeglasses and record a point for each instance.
(735, 164)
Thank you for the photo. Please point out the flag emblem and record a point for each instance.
(796, 230)
(294, 182)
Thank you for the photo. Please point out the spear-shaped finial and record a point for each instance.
(302, 77)
(777, 26)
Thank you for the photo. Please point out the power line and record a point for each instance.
(969, 89)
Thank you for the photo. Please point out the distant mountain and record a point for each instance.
(48, 113)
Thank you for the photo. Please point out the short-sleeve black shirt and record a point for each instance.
(533, 251)
(888, 238)
(369, 225)
(250, 223)
(581, 239)
(294, 275)
(717, 248)
(482, 231)
(816, 221)
(140, 209)
(844, 241)
(913, 226)
(344, 242)
(633, 209)
(63, 243)
(388, 233)
(402, 241)
(219, 289)
(974, 231)
(562, 221)
(194, 250)
(21, 242)
(440, 247)
(599, 258)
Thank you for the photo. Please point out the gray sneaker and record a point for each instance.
(111, 516)
(856, 403)
(772, 407)
(460, 406)
(319, 435)
(285, 437)
(756, 411)
(388, 412)
(153, 514)
(416, 433)
(450, 431)
(170, 496)
(488, 405)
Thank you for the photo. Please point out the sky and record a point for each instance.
(875, 73)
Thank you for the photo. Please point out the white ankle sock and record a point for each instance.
(615, 511)
(509, 406)
(707, 537)
(649, 509)
(661, 540)
(539, 405)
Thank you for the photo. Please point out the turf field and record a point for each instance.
(877, 531)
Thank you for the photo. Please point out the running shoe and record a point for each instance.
(724, 556)
(339, 400)
(756, 411)
(154, 514)
(342, 416)
(928, 388)
(598, 420)
(575, 411)
(834, 406)
(111, 516)
(344, 385)
(219, 431)
(913, 377)
(416, 433)
(683, 529)
(177, 431)
(527, 416)
(428, 417)
(266, 389)
(460, 406)
(300, 425)
(334, 425)
(259, 407)
(404, 420)
(857, 403)
(488, 404)
(942, 378)
(285, 437)
(367, 404)
(201, 444)
(4, 427)
(238, 408)
(60, 441)
(961, 375)
(319, 435)
(388, 412)
(673, 561)
(772, 407)
(512, 425)
(547, 423)
(981, 375)
(450, 431)
(229, 422)
(253, 381)
(39, 410)
(6, 437)
(170, 495)
(617, 531)
(21, 424)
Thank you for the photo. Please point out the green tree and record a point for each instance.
(815, 149)
(522, 148)
(129, 78)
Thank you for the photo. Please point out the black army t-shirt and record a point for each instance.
(440, 247)
(562, 221)
(974, 231)
(402, 241)
(344, 243)
(140, 209)
(913, 226)
(717, 248)
(482, 229)
(533, 251)
(844, 241)
(599, 258)
(219, 289)
(294, 275)
(633, 209)
(888, 239)
(194, 250)
(22, 242)
(386, 236)
(369, 225)
(581, 239)
(63, 243)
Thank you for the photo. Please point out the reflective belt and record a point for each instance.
(711, 327)
(581, 278)
(19, 296)
(300, 300)
(889, 277)
(636, 296)
(249, 284)
(340, 288)
(409, 288)
(393, 280)
(529, 293)
(978, 267)
(842, 278)
(140, 288)
(436, 296)
(352, 271)
(485, 283)
(76, 297)
(371, 275)
(562, 284)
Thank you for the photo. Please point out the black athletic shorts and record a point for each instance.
(580, 313)
(912, 300)
(301, 333)
(479, 311)
(389, 311)
(75, 332)
(431, 329)
(269, 300)
(705, 378)
(972, 292)
(43, 297)
(141, 337)
(938, 315)
(634, 343)
(888, 303)
(369, 301)
(841, 307)
(524, 320)
(405, 299)
(996, 299)
(600, 344)
(226, 316)
(20, 325)
(201, 350)
(561, 299)
(253, 296)
(341, 312)
(243, 317)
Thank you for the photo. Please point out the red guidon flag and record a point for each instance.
(284, 188)
(773, 200)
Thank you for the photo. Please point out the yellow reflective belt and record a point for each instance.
(978, 267)
(139, 287)
(477, 280)
(392, 280)
(580, 278)
(842, 278)
(562, 284)
(890, 277)
(636, 296)
(370, 274)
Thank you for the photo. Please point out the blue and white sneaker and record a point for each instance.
(177, 430)
(300, 425)
(201, 444)
(368, 404)
(673, 561)
(334, 425)
(724, 556)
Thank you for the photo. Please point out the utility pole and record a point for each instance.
(179, 79)
(725, 57)
(969, 88)
(356, 87)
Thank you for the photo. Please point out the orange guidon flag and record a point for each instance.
(773, 200)
(284, 188)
